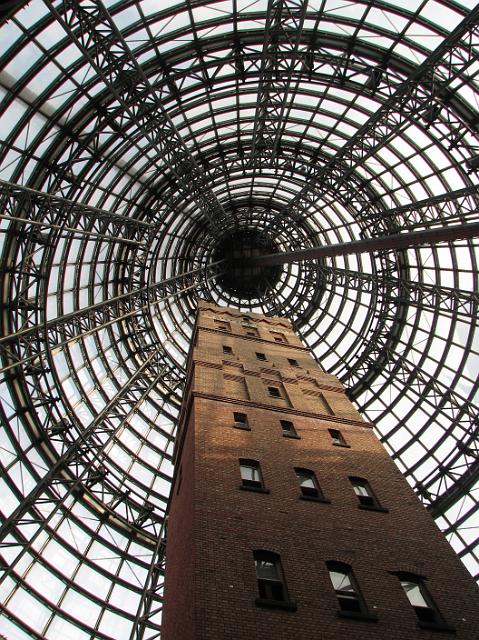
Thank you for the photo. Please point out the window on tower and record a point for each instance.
(260, 356)
(337, 438)
(292, 362)
(365, 495)
(350, 601)
(241, 420)
(227, 349)
(308, 485)
(288, 429)
(274, 392)
(251, 477)
(427, 613)
(271, 583)
(222, 326)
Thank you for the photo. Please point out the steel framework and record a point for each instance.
(135, 137)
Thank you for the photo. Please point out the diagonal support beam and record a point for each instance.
(17, 346)
(283, 33)
(39, 207)
(420, 294)
(91, 28)
(430, 85)
(393, 242)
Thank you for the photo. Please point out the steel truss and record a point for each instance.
(259, 119)
(424, 95)
(282, 38)
(91, 28)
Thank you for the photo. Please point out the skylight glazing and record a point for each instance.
(122, 167)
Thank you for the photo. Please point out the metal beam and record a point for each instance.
(39, 206)
(30, 343)
(91, 28)
(282, 38)
(421, 294)
(428, 86)
(393, 242)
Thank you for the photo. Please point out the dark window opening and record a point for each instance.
(337, 437)
(420, 600)
(364, 493)
(293, 362)
(288, 427)
(260, 356)
(240, 420)
(346, 588)
(274, 392)
(227, 349)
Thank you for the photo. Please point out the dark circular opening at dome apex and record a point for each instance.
(241, 278)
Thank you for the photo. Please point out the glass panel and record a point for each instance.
(267, 570)
(361, 489)
(341, 582)
(250, 473)
(306, 480)
(414, 593)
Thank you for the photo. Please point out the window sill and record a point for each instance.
(315, 499)
(275, 604)
(358, 615)
(338, 444)
(244, 428)
(291, 435)
(436, 626)
(366, 507)
(255, 489)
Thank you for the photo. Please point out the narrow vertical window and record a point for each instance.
(421, 601)
(365, 495)
(350, 600)
(270, 580)
(251, 477)
(308, 484)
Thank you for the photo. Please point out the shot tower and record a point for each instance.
(288, 519)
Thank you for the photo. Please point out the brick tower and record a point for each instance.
(287, 519)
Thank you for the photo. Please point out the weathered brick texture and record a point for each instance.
(214, 526)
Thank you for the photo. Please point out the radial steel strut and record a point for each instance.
(385, 243)
(428, 86)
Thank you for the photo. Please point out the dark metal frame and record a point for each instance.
(155, 136)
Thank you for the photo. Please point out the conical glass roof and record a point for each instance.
(137, 140)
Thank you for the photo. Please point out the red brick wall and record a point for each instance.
(179, 619)
(230, 523)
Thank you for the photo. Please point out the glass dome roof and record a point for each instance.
(135, 138)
